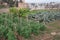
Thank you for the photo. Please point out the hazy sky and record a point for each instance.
(41, 1)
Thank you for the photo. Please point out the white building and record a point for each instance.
(36, 6)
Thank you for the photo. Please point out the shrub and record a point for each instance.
(14, 11)
(21, 12)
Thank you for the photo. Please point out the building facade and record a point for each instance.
(22, 4)
(36, 6)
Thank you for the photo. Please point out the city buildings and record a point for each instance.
(34, 6)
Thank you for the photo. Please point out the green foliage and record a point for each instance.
(22, 26)
(28, 28)
(42, 28)
(23, 11)
(13, 10)
(45, 16)
(11, 35)
(37, 27)
(3, 31)
(10, 24)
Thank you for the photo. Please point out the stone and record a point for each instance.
(53, 33)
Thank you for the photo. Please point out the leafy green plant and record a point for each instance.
(45, 16)
(11, 35)
(14, 11)
(37, 27)
(9, 24)
(23, 11)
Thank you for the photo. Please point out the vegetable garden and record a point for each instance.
(24, 23)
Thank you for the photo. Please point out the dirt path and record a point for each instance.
(4, 10)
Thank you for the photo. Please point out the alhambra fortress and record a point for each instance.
(34, 6)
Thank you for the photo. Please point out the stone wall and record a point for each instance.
(22, 5)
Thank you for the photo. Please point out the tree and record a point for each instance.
(21, 1)
(10, 2)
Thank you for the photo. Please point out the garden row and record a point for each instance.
(24, 22)
(17, 23)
